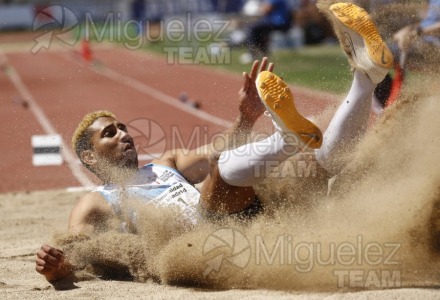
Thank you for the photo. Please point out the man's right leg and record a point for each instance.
(347, 125)
(371, 59)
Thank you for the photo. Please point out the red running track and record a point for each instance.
(59, 89)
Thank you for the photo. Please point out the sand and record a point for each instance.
(28, 219)
(374, 236)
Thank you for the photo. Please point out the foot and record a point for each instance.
(276, 96)
(361, 40)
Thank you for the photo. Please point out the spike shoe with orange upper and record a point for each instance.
(279, 102)
(361, 40)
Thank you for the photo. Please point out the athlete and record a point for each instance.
(104, 146)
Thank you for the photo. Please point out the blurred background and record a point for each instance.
(62, 59)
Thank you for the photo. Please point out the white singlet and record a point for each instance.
(159, 185)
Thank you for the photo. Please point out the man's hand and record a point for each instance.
(52, 263)
(250, 105)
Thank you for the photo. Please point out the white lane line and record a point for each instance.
(77, 189)
(155, 94)
(44, 121)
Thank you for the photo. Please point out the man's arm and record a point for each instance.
(194, 164)
(250, 109)
(88, 215)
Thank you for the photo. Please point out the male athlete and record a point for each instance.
(104, 146)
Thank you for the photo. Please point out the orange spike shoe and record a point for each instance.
(361, 40)
(278, 99)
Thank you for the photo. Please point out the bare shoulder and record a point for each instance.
(89, 212)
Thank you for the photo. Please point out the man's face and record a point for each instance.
(112, 144)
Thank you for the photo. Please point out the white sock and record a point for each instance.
(251, 163)
(349, 123)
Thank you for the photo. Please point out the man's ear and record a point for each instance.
(88, 157)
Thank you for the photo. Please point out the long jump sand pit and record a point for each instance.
(375, 235)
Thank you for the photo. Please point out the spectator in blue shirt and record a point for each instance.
(276, 15)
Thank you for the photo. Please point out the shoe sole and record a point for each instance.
(361, 38)
(278, 100)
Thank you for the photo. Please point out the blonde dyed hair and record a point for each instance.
(82, 134)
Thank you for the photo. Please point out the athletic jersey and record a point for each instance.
(156, 184)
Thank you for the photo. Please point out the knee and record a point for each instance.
(233, 173)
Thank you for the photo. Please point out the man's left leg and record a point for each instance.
(250, 164)
(228, 187)
(219, 197)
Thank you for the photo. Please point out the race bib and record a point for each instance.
(185, 196)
